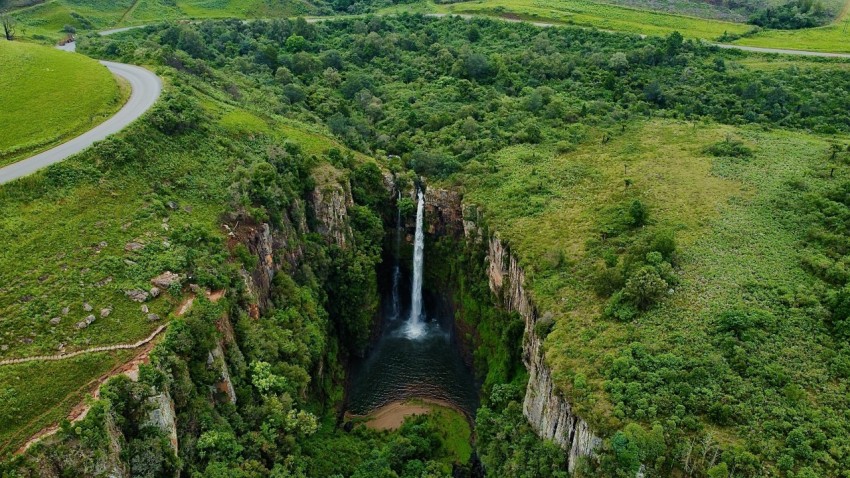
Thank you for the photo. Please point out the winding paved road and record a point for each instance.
(146, 88)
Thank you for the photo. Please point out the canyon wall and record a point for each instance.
(548, 412)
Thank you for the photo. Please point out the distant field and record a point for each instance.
(599, 15)
(831, 38)
(46, 21)
(49, 96)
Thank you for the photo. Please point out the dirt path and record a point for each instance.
(130, 369)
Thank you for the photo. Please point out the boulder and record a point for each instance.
(90, 319)
(55, 321)
(155, 291)
(153, 317)
(165, 280)
(87, 307)
(145, 309)
(82, 325)
(137, 295)
(133, 246)
(104, 313)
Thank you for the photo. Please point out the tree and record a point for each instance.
(9, 24)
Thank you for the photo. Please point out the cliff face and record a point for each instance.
(547, 411)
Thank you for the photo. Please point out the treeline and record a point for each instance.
(444, 93)
(793, 15)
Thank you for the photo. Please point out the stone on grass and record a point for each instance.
(155, 291)
(55, 321)
(87, 307)
(153, 317)
(165, 280)
(137, 295)
(133, 246)
(104, 313)
(145, 309)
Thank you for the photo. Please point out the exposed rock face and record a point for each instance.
(445, 212)
(547, 411)
(330, 203)
(162, 416)
(216, 361)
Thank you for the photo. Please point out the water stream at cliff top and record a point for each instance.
(418, 357)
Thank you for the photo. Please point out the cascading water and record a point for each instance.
(396, 302)
(415, 323)
(416, 355)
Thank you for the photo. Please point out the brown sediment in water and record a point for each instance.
(393, 414)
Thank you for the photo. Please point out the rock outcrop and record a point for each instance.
(163, 416)
(548, 412)
(330, 203)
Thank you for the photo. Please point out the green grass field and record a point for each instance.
(831, 38)
(711, 203)
(49, 96)
(599, 15)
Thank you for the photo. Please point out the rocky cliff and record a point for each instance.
(548, 412)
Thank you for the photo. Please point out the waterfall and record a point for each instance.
(396, 313)
(415, 325)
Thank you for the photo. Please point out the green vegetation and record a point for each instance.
(695, 323)
(572, 125)
(49, 96)
(36, 395)
(599, 15)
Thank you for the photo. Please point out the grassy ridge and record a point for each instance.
(50, 96)
(738, 247)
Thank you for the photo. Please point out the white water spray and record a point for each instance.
(415, 324)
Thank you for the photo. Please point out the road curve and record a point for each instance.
(146, 88)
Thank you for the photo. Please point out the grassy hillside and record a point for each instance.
(47, 21)
(598, 15)
(68, 234)
(49, 96)
(737, 248)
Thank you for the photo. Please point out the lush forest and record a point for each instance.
(624, 170)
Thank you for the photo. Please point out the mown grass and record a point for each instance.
(737, 245)
(36, 395)
(49, 96)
